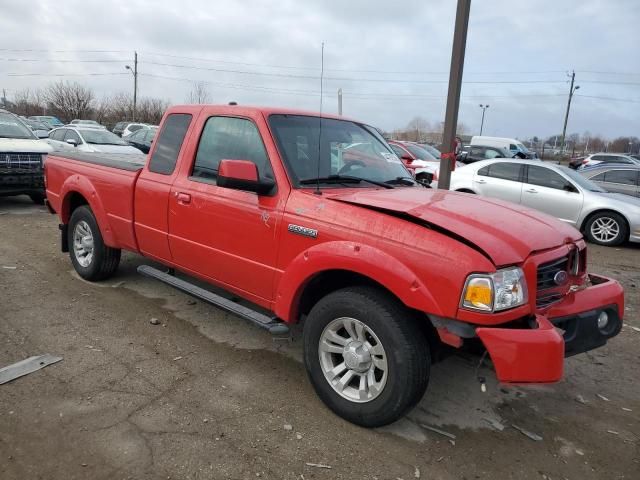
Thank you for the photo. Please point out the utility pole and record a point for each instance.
(134, 71)
(340, 101)
(453, 97)
(566, 115)
(4, 98)
(483, 107)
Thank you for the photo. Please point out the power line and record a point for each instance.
(629, 100)
(34, 60)
(64, 74)
(60, 51)
(343, 79)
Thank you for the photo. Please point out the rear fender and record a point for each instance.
(365, 260)
(83, 186)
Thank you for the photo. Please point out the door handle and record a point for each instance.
(183, 198)
(480, 181)
(531, 190)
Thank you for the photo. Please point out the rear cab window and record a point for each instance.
(169, 143)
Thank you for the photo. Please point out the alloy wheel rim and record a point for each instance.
(353, 360)
(605, 229)
(83, 243)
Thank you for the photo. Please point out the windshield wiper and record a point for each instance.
(343, 179)
(401, 181)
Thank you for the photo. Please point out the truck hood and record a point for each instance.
(506, 233)
(24, 145)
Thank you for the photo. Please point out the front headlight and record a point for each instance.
(493, 292)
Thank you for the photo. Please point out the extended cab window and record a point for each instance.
(169, 144)
(230, 138)
(546, 178)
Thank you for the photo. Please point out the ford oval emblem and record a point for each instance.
(561, 277)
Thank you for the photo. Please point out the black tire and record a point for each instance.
(465, 190)
(104, 261)
(405, 346)
(37, 198)
(615, 219)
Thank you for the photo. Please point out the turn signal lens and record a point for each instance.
(479, 294)
(497, 291)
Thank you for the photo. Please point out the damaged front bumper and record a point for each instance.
(536, 354)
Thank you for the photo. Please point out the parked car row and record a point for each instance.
(598, 158)
(605, 217)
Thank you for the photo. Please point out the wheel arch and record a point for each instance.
(78, 191)
(331, 266)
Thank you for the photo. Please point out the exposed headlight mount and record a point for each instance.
(494, 292)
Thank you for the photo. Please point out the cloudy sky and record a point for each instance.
(391, 59)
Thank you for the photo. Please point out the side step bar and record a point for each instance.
(275, 326)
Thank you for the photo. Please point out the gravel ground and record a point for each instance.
(205, 395)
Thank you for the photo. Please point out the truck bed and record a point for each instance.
(106, 180)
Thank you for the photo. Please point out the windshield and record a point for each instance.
(522, 148)
(419, 152)
(580, 180)
(12, 127)
(102, 137)
(345, 148)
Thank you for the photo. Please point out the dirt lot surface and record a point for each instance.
(205, 395)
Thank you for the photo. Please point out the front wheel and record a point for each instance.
(607, 228)
(91, 258)
(365, 355)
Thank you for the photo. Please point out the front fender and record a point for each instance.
(83, 186)
(365, 260)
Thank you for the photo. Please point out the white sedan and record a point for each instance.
(88, 139)
(604, 218)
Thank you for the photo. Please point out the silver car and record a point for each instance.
(615, 178)
(604, 218)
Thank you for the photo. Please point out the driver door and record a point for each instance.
(226, 235)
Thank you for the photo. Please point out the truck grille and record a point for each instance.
(545, 281)
(16, 163)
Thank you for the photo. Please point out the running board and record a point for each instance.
(272, 324)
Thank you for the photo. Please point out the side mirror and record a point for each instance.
(72, 141)
(41, 134)
(407, 158)
(243, 175)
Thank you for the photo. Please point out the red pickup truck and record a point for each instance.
(274, 206)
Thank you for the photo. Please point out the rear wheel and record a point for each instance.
(607, 228)
(366, 356)
(91, 258)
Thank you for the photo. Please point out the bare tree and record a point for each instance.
(199, 94)
(69, 100)
(28, 102)
(150, 110)
(417, 128)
